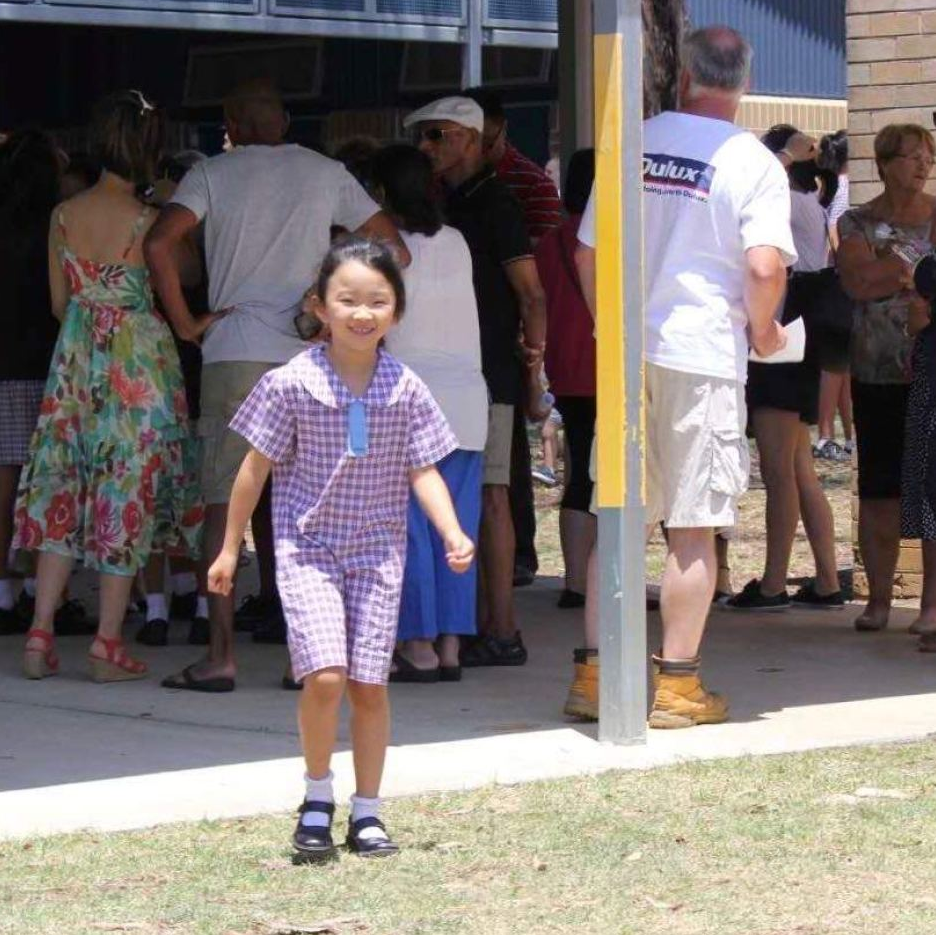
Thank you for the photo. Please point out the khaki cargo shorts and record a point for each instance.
(225, 385)
(698, 462)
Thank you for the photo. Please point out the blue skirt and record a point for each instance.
(435, 600)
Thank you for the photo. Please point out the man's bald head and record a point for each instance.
(254, 113)
(718, 58)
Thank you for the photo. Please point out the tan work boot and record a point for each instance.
(582, 701)
(680, 700)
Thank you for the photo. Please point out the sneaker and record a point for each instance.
(491, 651)
(751, 598)
(582, 700)
(255, 609)
(545, 475)
(832, 451)
(182, 606)
(682, 701)
(807, 596)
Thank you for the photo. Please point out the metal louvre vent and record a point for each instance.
(332, 6)
(540, 12)
(189, 6)
(295, 65)
(446, 8)
(433, 66)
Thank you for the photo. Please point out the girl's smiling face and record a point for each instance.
(359, 306)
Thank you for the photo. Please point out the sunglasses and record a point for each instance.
(434, 134)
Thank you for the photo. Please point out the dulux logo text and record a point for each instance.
(678, 172)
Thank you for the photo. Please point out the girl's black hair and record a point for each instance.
(127, 134)
(405, 175)
(578, 181)
(30, 176)
(374, 254)
(833, 151)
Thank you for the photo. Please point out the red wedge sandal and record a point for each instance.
(117, 665)
(39, 662)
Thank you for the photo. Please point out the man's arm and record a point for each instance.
(585, 264)
(764, 286)
(532, 301)
(379, 227)
(162, 247)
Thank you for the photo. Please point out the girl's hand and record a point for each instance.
(221, 574)
(459, 552)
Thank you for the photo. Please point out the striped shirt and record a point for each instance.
(533, 188)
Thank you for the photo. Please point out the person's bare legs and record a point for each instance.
(830, 393)
(370, 734)
(550, 438)
(318, 712)
(776, 432)
(447, 647)
(52, 573)
(114, 597)
(497, 562)
(926, 620)
(845, 409)
(687, 590)
(817, 515)
(578, 532)
(879, 542)
(592, 601)
(723, 581)
(154, 573)
(261, 525)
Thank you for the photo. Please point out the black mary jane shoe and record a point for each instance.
(407, 672)
(315, 842)
(369, 847)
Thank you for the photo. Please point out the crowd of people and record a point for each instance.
(345, 353)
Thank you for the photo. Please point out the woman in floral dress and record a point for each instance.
(110, 475)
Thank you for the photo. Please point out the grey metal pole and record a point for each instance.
(474, 42)
(618, 29)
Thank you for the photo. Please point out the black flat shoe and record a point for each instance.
(199, 633)
(315, 843)
(153, 633)
(407, 672)
(569, 599)
(450, 673)
(490, 651)
(369, 847)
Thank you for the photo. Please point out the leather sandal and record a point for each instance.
(369, 847)
(315, 841)
(39, 663)
(116, 665)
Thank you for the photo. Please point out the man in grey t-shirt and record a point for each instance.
(267, 208)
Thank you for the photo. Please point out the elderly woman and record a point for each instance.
(879, 280)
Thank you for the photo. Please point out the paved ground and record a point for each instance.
(74, 754)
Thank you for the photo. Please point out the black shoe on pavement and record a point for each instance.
(153, 633)
(751, 599)
(311, 841)
(182, 606)
(523, 576)
(369, 847)
(570, 599)
(808, 596)
(255, 610)
(11, 622)
(199, 633)
(491, 651)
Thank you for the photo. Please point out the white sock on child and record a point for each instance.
(29, 586)
(184, 582)
(201, 606)
(318, 790)
(6, 594)
(156, 608)
(367, 808)
(821, 443)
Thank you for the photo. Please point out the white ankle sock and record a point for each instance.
(821, 442)
(318, 790)
(6, 594)
(183, 582)
(156, 608)
(29, 586)
(367, 808)
(201, 606)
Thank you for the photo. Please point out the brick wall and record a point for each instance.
(891, 77)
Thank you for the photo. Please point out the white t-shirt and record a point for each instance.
(268, 211)
(438, 336)
(712, 191)
(809, 225)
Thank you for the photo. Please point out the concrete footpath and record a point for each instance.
(77, 755)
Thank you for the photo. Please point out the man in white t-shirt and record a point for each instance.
(268, 208)
(717, 241)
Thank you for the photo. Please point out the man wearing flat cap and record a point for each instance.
(512, 314)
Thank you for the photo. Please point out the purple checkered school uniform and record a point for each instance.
(339, 521)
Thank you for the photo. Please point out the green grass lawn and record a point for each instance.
(816, 844)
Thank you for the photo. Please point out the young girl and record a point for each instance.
(346, 430)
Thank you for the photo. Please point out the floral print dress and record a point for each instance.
(111, 474)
